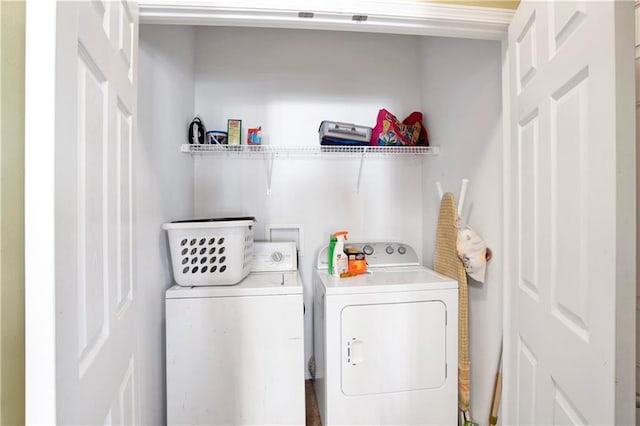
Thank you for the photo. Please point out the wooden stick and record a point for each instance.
(497, 393)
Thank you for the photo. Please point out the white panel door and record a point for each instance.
(572, 214)
(94, 377)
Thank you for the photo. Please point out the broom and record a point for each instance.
(497, 392)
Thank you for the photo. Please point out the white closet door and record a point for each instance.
(572, 215)
(81, 368)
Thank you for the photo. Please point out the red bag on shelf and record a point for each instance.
(389, 131)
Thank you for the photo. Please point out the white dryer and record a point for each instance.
(386, 342)
(235, 354)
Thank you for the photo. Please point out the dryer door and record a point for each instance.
(393, 347)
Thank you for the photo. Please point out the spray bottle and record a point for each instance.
(338, 260)
(332, 247)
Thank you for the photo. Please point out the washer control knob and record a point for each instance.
(402, 249)
(389, 250)
(368, 250)
(277, 256)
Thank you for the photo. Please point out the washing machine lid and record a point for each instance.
(255, 284)
(393, 279)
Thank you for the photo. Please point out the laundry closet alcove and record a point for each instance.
(510, 102)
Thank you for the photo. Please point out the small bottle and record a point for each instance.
(259, 136)
(254, 136)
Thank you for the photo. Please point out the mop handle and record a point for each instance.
(497, 392)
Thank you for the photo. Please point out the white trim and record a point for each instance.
(626, 226)
(396, 16)
(507, 366)
(40, 284)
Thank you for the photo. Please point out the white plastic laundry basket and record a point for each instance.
(211, 251)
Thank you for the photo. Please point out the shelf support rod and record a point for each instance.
(364, 151)
(269, 160)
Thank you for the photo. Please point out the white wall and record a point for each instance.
(462, 101)
(288, 81)
(163, 185)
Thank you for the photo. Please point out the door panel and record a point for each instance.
(123, 237)
(565, 18)
(95, 295)
(528, 146)
(567, 185)
(92, 291)
(569, 285)
(527, 364)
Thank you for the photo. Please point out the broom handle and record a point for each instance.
(497, 392)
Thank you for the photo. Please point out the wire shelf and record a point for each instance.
(307, 151)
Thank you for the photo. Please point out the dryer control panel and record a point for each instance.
(378, 254)
(274, 256)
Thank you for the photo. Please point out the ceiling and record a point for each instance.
(502, 4)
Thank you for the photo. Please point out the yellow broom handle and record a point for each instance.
(497, 392)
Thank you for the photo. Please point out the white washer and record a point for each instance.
(235, 354)
(386, 343)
